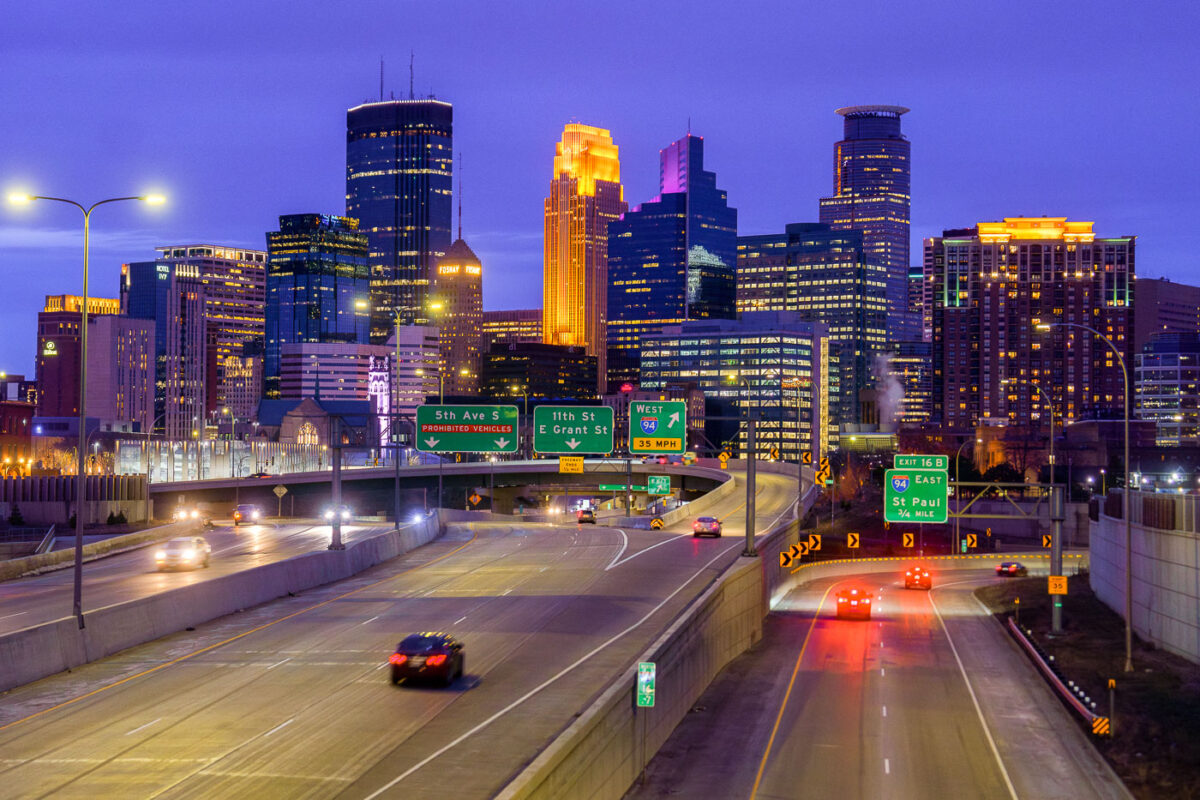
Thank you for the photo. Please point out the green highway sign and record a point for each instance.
(915, 495)
(645, 684)
(467, 429)
(619, 487)
(657, 427)
(921, 462)
(658, 484)
(565, 430)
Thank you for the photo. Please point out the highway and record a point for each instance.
(29, 601)
(291, 699)
(928, 699)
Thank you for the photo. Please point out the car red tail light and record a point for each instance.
(841, 599)
(398, 658)
(853, 602)
(436, 661)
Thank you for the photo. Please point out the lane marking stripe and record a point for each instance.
(231, 639)
(783, 706)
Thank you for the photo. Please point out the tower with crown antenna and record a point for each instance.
(457, 310)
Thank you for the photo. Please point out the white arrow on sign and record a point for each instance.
(502, 443)
(674, 418)
(571, 443)
(431, 441)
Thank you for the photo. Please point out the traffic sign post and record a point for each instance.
(573, 429)
(915, 495)
(467, 429)
(852, 541)
(921, 462)
(1058, 584)
(570, 465)
(657, 427)
(906, 539)
(814, 541)
(645, 684)
(279, 491)
(658, 484)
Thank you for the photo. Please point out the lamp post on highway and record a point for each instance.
(80, 478)
(958, 497)
(1127, 499)
(523, 390)
(749, 551)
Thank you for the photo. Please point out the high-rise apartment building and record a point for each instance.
(769, 364)
(416, 354)
(399, 164)
(1166, 372)
(909, 395)
(871, 193)
(121, 370)
(993, 284)
(825, 275)
(585, 196)
(57, 358)
(1163, 306)
(234, 284)
(511, 327)
(458, 310)
(318, 287)
(670, 259)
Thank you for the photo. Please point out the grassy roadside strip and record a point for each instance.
(1156, 749)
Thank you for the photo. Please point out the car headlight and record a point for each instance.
(188, 555)
(255, 514)
(345, 513)
(329, 514)
(160, 556)
(195, 514)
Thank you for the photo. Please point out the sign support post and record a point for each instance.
(628, 487)
(335, 448)
(1056, 555)
(751, 460)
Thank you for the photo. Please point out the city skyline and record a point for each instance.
(229, 174)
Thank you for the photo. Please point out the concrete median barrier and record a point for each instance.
(61, 559)
(42, 650)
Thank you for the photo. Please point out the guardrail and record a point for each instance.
(1099, 724)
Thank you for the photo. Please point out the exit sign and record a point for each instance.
(921, 462)
(645, 684)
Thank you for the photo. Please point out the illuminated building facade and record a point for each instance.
(543, 372)
(585, 196)
(872, 194)
(993, 284)
(399, 163)
(825, 275)
(458, 311)
(771, 364)
(910, 366)
(511, 327)
(328, 370)
(670, 259)
(234, 284)
(57, 358)
(318, 287)
(1167, 375)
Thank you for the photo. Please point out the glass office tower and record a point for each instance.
(318, 286)
(671, 259)
(398, 186)
(871, 193)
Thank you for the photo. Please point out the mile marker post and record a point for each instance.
(1112, 707)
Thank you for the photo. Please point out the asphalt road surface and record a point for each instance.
(928, 699)
(292, 699)
(25, 602)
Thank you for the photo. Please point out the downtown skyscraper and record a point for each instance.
(585, 196)
(399, 163)
(671, 259)
(872, 169)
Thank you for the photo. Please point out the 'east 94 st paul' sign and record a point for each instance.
(915, 495)
(467, 429)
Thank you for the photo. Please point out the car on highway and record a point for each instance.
(854, 603)
(259, 475)
(183, 552)
(1012, 569)
(689, 459)
(185, 513)
(344, 513)
(585, 515)
(428, 656)
(918, 577)
(706, 526)
(247, 513)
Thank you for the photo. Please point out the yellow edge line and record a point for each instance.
(782, 706)
(264, 626)
(909, 558)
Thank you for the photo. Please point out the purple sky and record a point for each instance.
(238, 114)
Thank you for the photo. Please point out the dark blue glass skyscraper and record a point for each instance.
(398, 186)
(671, 259)
(318, 286)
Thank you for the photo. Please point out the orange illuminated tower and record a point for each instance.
(585, 195)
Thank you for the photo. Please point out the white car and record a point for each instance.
(184, 552)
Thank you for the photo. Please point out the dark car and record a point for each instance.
(246, 513)
(259, 475)
(1012, 569)
(586, 515)
(428, 656)
(854, 603)
(706, 526)
(918, 577)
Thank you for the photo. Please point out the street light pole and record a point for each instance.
(957, 495)
(1126, 499)
(80, 478)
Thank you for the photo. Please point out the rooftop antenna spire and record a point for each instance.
(411, 96)
(381, 79)
(689, 124)
(460, 172)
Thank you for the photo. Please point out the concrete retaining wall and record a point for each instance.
(61, 559)
(33, 653)
(1166, 582)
